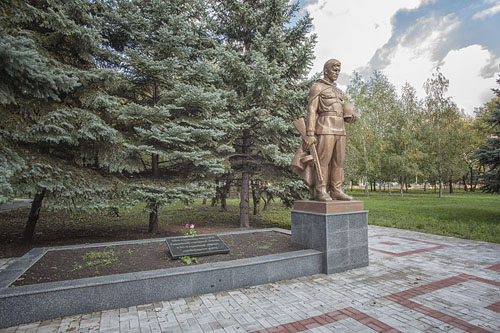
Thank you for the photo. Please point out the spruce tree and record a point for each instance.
(57, 135)
(9, 7)
(178, 122)
(263, 60)
(489, 153)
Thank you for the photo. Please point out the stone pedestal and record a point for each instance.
(339, 229)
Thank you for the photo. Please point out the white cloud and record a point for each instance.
(351, 31)
(489, 11)
(463, 68)
(413, 58)
(471, 70)
(428, 35)
(360, 34)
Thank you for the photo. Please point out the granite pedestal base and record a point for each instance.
(339, 230)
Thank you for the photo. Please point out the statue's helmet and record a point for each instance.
(349, 110)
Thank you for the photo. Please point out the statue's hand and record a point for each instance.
(351, 119)
(308, 141)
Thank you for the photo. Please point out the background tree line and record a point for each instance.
(406, 140)
(107, 103)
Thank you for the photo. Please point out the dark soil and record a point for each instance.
(67, 264)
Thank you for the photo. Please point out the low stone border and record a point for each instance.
(24, 304)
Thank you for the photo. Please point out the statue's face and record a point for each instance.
(333, 72)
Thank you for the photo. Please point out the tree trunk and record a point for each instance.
(266, 203)
(256, 203)
(255, 198)
(153, 220)
(366, 162)
(451, 185)
(244, 205)
(224, 193)
(425, 186)
(476, 179)
(471, 187)
(245, 178)
(380, 181)
(367, 193)
(215, 198)
(464, 180)
(36, 205)
(401, 186)
(154, 164)
(223, 203)
(440, 165)
(204, 201)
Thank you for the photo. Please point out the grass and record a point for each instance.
(473, 216)
(97, 258)
(188, 260)
(464, 215)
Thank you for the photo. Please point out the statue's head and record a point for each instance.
(331, 69)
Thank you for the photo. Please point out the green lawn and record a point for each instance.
(465, 215)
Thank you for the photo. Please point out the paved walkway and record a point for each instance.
(415, 283)
(16, 204)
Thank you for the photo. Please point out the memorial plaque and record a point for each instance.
(197, 246)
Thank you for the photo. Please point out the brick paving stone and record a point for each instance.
(48, 329)
(452, 286)
(130, 330)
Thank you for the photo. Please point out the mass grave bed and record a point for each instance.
(29, 303)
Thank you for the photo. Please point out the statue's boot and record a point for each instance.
(336, 181)
(319, 191)
(313, 193)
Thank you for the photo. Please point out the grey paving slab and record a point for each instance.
(400, 262)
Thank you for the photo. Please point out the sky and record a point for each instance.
(408, 39)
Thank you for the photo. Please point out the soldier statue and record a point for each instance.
(320, 158)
